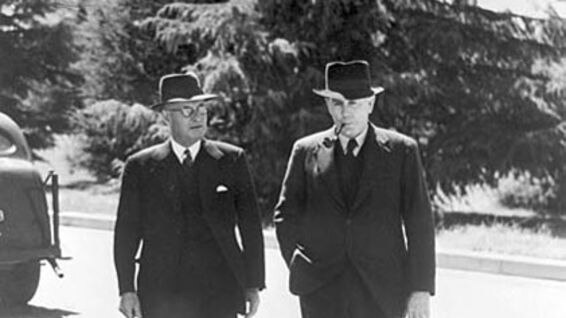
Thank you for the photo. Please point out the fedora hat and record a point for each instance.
(178, 88)
(347, 80)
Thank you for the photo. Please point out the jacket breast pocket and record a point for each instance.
(225, 199)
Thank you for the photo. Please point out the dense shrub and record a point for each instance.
(111, 131)
(524, 191)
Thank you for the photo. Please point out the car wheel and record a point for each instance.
(19, 283)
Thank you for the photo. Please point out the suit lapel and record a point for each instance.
(210, 173)
(165, 173)
(375, 164)
(325, 167)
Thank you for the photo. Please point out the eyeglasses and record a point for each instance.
(350, 103)
(188, 110)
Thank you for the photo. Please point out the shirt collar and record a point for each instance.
(179, 149)
(359, 139)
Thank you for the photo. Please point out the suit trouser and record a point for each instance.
(346, 296)
(194, 296)
(187, 305)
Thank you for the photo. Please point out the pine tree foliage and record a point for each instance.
(122, 62)
(478, 87)
(37, 85)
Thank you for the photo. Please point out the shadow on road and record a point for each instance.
(34, 312)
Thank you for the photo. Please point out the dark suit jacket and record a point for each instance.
(317, 234)
(149, 211)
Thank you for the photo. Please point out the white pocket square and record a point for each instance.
(221, 188)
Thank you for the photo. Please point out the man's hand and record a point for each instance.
(419, 305)
(252, 297)
(130, 305)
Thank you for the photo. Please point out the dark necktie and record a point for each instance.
(188, 161)
(352, 144)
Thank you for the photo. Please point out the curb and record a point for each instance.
(502, 264)
(87, 220)
(445, 258)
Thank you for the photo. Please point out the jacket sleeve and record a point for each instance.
(249, 224)
(290, 205)
(127, 231)
(418, 221)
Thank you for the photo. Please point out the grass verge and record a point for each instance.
(503, 239)
(86, 201)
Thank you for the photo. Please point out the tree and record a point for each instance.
(123, 61)
(544, 151)
(490, 104)
(114, 53)
(37, 85)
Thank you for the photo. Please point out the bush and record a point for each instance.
(524, 191)
(111, 131)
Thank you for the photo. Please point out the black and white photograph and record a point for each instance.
(283, 158)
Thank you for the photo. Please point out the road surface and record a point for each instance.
(89, 288)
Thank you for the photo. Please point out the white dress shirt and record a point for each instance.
(179, 150)
(359, 139)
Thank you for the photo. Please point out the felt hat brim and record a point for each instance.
(336, 95)
(173, 101)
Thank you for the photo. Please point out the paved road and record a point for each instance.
(89, 288)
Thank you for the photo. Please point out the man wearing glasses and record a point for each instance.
(353, 220)
(181, 201)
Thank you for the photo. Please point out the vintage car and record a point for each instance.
(26, 234)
